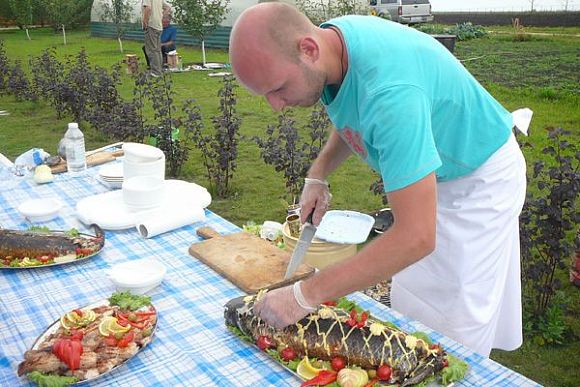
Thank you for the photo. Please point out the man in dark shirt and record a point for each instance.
(168, 37)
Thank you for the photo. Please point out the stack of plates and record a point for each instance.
(112, 175)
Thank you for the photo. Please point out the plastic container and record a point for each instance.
(40, 210)
(76, 160)
(320, 253)
(137, 277)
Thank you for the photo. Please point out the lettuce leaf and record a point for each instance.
(44, 380)
(455, 371)
(126, 300)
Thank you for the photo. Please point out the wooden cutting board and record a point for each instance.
(251, 263)
(92, 160)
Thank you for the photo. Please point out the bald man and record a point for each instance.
(452, 169)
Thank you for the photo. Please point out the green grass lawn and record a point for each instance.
(541, 73)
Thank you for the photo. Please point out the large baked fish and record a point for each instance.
(331, 332)
(28, 248)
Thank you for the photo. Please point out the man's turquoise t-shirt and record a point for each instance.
(408, 107)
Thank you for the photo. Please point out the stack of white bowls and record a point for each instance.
(143, 160)
(144, 176)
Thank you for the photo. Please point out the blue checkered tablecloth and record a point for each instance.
(192, 346)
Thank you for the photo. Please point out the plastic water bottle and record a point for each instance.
(76, 160)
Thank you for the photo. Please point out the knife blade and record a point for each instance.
(304, 241)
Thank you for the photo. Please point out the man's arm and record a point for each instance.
(146, 16)
(411, 238)
(316, 197)
(334, 152)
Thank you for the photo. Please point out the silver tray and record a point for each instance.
(55, 325)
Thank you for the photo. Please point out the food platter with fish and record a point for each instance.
(87, 343)
(40, 247)
(340, 344)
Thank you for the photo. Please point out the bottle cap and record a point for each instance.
(73, 125)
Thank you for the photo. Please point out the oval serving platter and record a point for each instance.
(54, 327)
(31, 247)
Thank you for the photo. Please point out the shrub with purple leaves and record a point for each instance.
(19, 85)
(288, 153)
(219, 152)
(48, 77)
(549, 221)
(4, 69)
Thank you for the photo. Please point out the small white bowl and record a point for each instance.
(40, 210)
(143, 192)
(137, 277)
(144, 168)
(137, 153)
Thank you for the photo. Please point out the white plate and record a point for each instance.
(110, 212)
(112, 171)
(139, 153)
(345, 227)
(40, 210)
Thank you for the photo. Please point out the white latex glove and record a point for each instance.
(315, 196)
(279, 308)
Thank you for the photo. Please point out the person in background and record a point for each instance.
(452, 169)
(168, 37)
(153, 12)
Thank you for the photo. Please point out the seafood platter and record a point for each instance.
(25, 249)
(87, 343)
(341, 345)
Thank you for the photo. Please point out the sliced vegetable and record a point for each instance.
(44, 380)
(323, 378)
(352, 377)
(69, 351)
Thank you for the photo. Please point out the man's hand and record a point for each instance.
(315, 197)
(279, 308)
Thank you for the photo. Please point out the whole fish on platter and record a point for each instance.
(23, 249)
(87, 343)
(335, 335)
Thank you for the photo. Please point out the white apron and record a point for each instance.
(469, 288)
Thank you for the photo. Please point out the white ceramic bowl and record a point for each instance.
(137, 277)
(142, 192)
(40, 210)
(137, 153)
(144, 168)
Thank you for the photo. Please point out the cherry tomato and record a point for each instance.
(264, 342)
(384, 372)
(337, 363)
(288, 354)
(445, 363)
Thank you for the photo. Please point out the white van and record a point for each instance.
(403, 11)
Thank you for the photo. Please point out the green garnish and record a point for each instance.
(128, 301)
(73, 232)
(236, 331)
(455, 371)
(44, 380)
(423, 336)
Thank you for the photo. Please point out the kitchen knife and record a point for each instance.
(306, 235)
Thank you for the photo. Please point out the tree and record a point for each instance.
(119, 13)
(319, 11)
(63, 13)
(200, 17)
(23, 10)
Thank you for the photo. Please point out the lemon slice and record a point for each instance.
(307, 370)
(66, 323)
(109, 325)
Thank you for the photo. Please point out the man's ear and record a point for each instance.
(309, 48)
